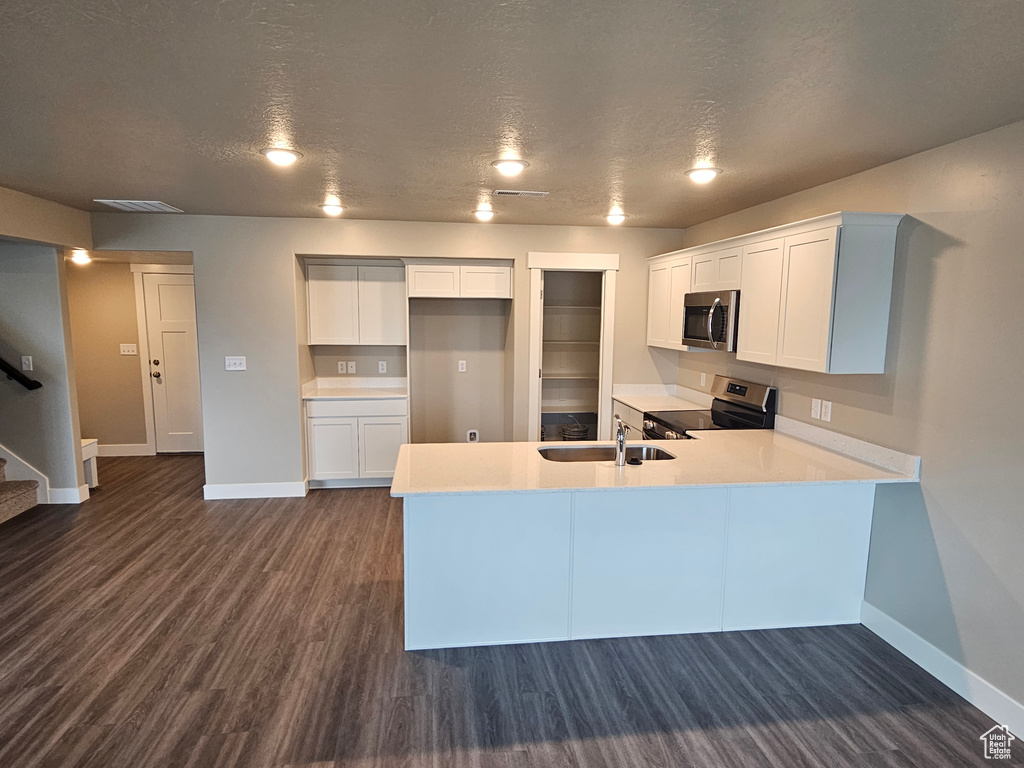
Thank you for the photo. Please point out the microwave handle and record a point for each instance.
(711, 317)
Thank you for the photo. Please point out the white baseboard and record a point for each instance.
(255, 490)
(126, 449)
(978, 691)
(69, 495)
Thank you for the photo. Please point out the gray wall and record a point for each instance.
(246, 305)
(40, 426)
(446, 403)
(946, 557)
(101, 297)
(326, 359)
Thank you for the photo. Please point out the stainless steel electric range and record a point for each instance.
(737, 405)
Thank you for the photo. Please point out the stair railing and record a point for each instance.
(18, 376)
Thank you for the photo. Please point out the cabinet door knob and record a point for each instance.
(156, 375)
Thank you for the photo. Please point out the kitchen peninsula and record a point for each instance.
(741, 529)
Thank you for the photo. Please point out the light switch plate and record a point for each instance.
(826, 410)
(351, 366)
(129, 349)
(382, 366)
(462, 366)
(234, 363)
(815, 408)
(703, 379)
(26, 362)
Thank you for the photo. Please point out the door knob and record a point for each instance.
(156, 362)
(156, 375)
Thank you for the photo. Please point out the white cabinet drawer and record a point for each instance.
(374, 407)
(485, 282)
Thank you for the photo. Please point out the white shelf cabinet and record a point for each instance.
(355, 439)
(459, 281)
(669, 283)
(352, 305)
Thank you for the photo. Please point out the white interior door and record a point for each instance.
(174, 362)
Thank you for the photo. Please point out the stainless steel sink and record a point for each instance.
(602, 453)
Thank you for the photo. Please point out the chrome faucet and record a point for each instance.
(620, 441)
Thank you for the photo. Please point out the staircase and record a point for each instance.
(15, 495)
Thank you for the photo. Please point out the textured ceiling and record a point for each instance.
(399, 106)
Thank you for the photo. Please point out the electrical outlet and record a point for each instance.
(351, 366)
(826, 410)
(472, 436)
(815, 408)
(382, 366)
(234, 363)
(703, 379)
(26, 362)
(129, 349)
(462, 366)
(341, 366)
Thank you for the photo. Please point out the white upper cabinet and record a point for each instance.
(356, 304)
(757, 339)
(717, 270)
(459, 280)
(382, 313)
(433, 280)
(808, 278)
(485, 282)
(333, 304)
(669, 283)
(814, 295)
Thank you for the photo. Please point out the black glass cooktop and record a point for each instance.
(683, 421)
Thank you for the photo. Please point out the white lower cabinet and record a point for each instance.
(797, 555)
(345, 441)
(631, 417)
(648, 562)
(484, 569)
(379, 441)
(333, 448)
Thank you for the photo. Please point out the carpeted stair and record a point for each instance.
(15, 495)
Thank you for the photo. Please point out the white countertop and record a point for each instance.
(646, 403)
(355, 393)
(714, 458)
(364, 388)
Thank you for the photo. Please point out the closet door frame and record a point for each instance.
(538, 262)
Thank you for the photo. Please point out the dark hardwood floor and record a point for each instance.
(150, 628)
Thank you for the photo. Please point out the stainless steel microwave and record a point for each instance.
(709, 319)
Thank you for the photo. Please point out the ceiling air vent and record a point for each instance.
(518, 193)
(140, 206)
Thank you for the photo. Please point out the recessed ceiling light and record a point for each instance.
(332, 209)
(702, 175)
(80, 256)
(280, 155)
(510, 167)
(616, 218)
(484, 214)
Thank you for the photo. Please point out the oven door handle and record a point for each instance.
(711, 318)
